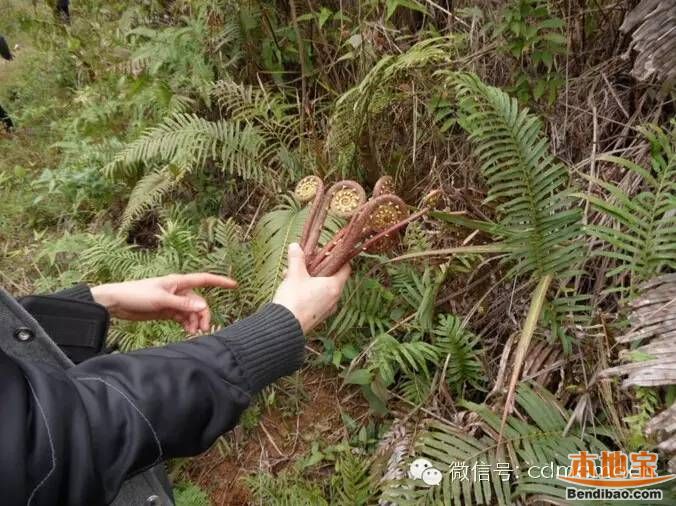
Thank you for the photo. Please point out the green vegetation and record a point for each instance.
(160, 136)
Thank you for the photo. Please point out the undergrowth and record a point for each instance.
(159, 137)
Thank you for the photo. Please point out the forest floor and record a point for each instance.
(159, 137)
(280, 439)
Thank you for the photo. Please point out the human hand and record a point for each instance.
(310, 299)
(163, 298)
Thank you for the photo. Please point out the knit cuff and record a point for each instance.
(79, 292)
(269, 344)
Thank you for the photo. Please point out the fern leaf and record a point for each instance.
(524, 444)
(529, 186)
(189, 141)
(274, 232)
(642, 239)
(372, 95)
(459, 348)
(352, 484)
(149, 192)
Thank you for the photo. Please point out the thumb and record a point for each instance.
(183, 303)
(297, 266)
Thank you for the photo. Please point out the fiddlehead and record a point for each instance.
(377, 215)
(343, 199)
(384, 186)
(310, 188)
(374, 226)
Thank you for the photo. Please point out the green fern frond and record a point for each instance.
(460, 350)
(130, 336)
(642, 236)
(375, 92)
(408, 283)
(564, 314)
(351, 485)
(529, 186)
(416, 238)
(181, 52)
(366, 305)
(148, 193)
(287, 489)
(190, 495)
(274, 232)
(189, 141)
(419, 291)
(390, 356)
(415, 388)
(257, 104)
(224, 251)
(523, 444)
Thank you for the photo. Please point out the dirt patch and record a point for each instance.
(279, 439)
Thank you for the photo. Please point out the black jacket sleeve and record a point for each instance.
(80, 291)
(76, 434)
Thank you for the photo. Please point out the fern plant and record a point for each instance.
(525, 444)
(287, 489)
(460, 353)
(390, 356)
(537, 219)
(189, 141)
(352, 484)
(366, 309)
(253, 141)
(187, 52)
(375, 93)
(274, 232)
(640, 230)
(269, 110)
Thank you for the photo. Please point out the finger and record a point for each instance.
(182, 320)
(297, 267)
(204, 319)
(203, 316)
(193, 323)
(183, 302)
(202, 280)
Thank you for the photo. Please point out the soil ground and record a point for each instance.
(280, 438)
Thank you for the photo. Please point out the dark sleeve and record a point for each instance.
(80, 292)
(93, 425)
(73, 320)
